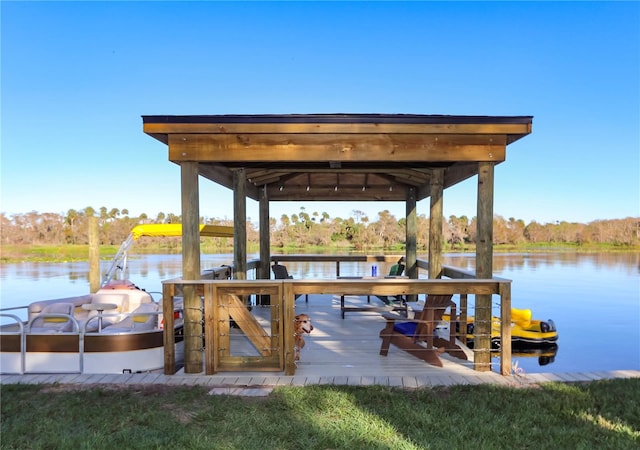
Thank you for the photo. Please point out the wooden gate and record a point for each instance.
(239, 337)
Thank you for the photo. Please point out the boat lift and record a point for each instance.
(119, 262)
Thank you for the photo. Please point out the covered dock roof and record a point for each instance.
(337, 157)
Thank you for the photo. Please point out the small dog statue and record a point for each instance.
(302, 325)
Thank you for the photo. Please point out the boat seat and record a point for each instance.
(90, 321)
(43, 323)
(136, 298)
(35, 308)
(143, 318)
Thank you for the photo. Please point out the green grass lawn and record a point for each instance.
(596, 415)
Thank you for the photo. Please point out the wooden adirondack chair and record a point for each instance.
(397, 301)
(416, 336)
(280, 272)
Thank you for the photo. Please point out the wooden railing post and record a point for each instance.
(505, 328)
(287, 301)
(211, 318)
(168, 336)
(462, 333)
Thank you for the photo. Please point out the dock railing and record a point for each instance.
(224, 305)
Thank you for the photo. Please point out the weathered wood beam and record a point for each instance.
(224, 177)
(412, 176)
(341, 148)
(267, 178)
(453, 175)
(217, 173)
(459, 172)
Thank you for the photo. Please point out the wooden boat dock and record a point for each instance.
(337, 352)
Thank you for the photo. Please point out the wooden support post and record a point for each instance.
(191, 267)
(265, 243)
(435, 223)
(411, 238)
(239, 224)
(411, 235)
(484, 266)
(94, 255)
(265, 236)
(211, 324)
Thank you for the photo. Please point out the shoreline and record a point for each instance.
(16, 253)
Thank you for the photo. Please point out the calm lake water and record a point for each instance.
(594, 298)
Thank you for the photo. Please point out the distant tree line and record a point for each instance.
(304, 229)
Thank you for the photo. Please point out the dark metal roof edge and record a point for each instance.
(338, 118)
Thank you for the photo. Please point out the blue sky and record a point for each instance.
(78, 76)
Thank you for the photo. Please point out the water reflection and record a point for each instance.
(544, 356)
(628, 262)
(531, 360)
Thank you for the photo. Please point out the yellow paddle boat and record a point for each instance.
(525, 331)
